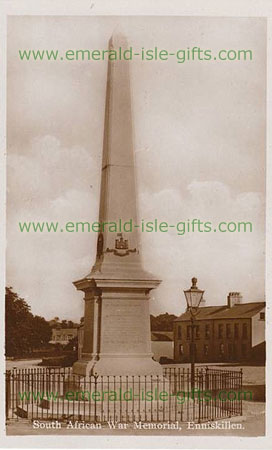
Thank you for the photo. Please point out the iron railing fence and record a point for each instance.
(56, 393)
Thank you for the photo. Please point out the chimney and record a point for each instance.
(234, 298)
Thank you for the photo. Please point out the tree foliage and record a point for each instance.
(162, 322)
(24, 331)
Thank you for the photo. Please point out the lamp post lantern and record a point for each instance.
(193, 298)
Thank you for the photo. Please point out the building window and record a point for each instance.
(220, 331)
(221, 349)
(228, 330)
(236, 330)
(181, 350)
(207, 331)
(179, 332)
(188, 333)
(197, 332)
(244, 331)
(206, 349)
(262, 316)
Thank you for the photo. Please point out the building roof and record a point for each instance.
(239, 311)
(162, 336)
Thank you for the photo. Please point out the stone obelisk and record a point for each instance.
(116, 320)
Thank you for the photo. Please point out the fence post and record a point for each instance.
(207, 387)
(241, 387)
(200, 399)
(7, 393)
(95, 390)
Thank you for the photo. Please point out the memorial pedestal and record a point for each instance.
(117, 328)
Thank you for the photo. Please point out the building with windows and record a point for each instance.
(63, 335)
(228, 333)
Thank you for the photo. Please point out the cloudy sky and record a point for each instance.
(199, 135)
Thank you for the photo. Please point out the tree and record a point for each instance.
(41, 332)
(17, 323)
(64, 323)
(24, 332)
(162, 322)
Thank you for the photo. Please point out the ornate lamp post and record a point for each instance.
(193, 298)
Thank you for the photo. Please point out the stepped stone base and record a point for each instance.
(117, 365)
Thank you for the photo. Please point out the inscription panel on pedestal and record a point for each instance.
(125, 327)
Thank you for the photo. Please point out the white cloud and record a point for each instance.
(222, 261)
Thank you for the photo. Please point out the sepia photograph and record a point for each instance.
(135, 225)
